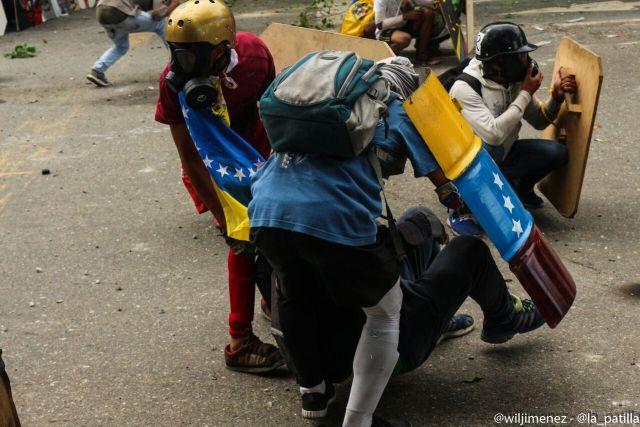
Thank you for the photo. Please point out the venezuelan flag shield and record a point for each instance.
(230, 160)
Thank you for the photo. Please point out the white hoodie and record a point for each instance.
(496, 116)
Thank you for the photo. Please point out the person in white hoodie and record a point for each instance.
(496, 91)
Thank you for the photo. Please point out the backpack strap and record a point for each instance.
(393, 230)
(473, 82)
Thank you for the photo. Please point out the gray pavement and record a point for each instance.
(113, 298)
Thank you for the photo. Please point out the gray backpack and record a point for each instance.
(329, 103)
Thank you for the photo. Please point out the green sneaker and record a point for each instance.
(98, 78)
(525, 318)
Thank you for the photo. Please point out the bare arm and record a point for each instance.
(196, 171)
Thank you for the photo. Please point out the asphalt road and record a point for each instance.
(113, 298)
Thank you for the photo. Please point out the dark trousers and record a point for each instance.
(434, 291)
(321, 289)
(434, 285)
(528, 161)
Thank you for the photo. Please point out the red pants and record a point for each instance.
(242, 281)
(242, 288)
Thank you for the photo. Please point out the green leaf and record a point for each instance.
(22, 51)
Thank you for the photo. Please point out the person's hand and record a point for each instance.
(563, 85)
(531, 84)
(412, 15)
(239, 247)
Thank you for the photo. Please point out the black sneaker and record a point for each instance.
(315, 405)
(98, 78)
(381, 422)
(530, 199)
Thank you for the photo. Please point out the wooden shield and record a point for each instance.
(289, 43)
(574, 125)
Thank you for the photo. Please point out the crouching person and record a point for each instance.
(313, 217)
(497, 92)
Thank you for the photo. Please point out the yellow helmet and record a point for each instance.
(208, 21)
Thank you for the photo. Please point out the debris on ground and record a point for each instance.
(473, 380)
(22, 51)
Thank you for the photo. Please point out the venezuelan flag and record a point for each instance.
(230, 160)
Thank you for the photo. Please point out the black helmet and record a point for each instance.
(501, 38)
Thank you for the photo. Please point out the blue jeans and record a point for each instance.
(528, 161)
(119, 35)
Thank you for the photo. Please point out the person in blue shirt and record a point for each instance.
(314, 218)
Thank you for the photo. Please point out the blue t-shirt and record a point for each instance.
(333, 199)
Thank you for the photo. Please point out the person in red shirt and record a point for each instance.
(206, 46)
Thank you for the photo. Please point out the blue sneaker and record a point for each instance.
(459, 325)
(463, 224)
(525, 318)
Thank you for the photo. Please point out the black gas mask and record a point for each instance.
(514, 67)
(192, 67)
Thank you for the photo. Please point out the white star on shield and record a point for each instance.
(497, 181)
(517, 228)
(508, 204)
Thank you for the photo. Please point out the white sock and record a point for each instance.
(318, 388)
(375, 358)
